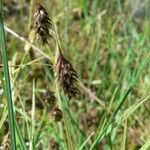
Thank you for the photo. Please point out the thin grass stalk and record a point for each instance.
(30, 14)
(4, 116)
(27, 42)
(66, 123)
(24, 112)
(61, 107)
(68, 126)
(86, 141)
(58, 48)
(124, 142)
(32, 118)
(66, 22)
(18, 71)
(7, 85)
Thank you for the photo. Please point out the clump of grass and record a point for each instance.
(111, 48)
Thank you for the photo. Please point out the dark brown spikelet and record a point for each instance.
(54, 145)
(49, 97)
(57, 114)
(41, 24)
(67, 76)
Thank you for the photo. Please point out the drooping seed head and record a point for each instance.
(41, 24)
(67, 76)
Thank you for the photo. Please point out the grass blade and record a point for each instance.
(7, 86)
(146, 145)
(85, 142)
(22, 143)
(134, 107)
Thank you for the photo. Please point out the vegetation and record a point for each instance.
(75, 75)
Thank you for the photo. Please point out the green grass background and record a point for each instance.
(108, 43)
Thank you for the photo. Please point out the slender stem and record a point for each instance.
(7, 85)
(30, 14)
(32, 118)
(56, 38)
(64, 117)
(27, 42)
(66, 125)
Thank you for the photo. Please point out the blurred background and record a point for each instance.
(108, 43)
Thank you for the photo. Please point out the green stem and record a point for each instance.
(60, 103)
(57, 40)
(30, 14)
(7, 86)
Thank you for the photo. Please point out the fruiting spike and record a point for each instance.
(67, 76)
